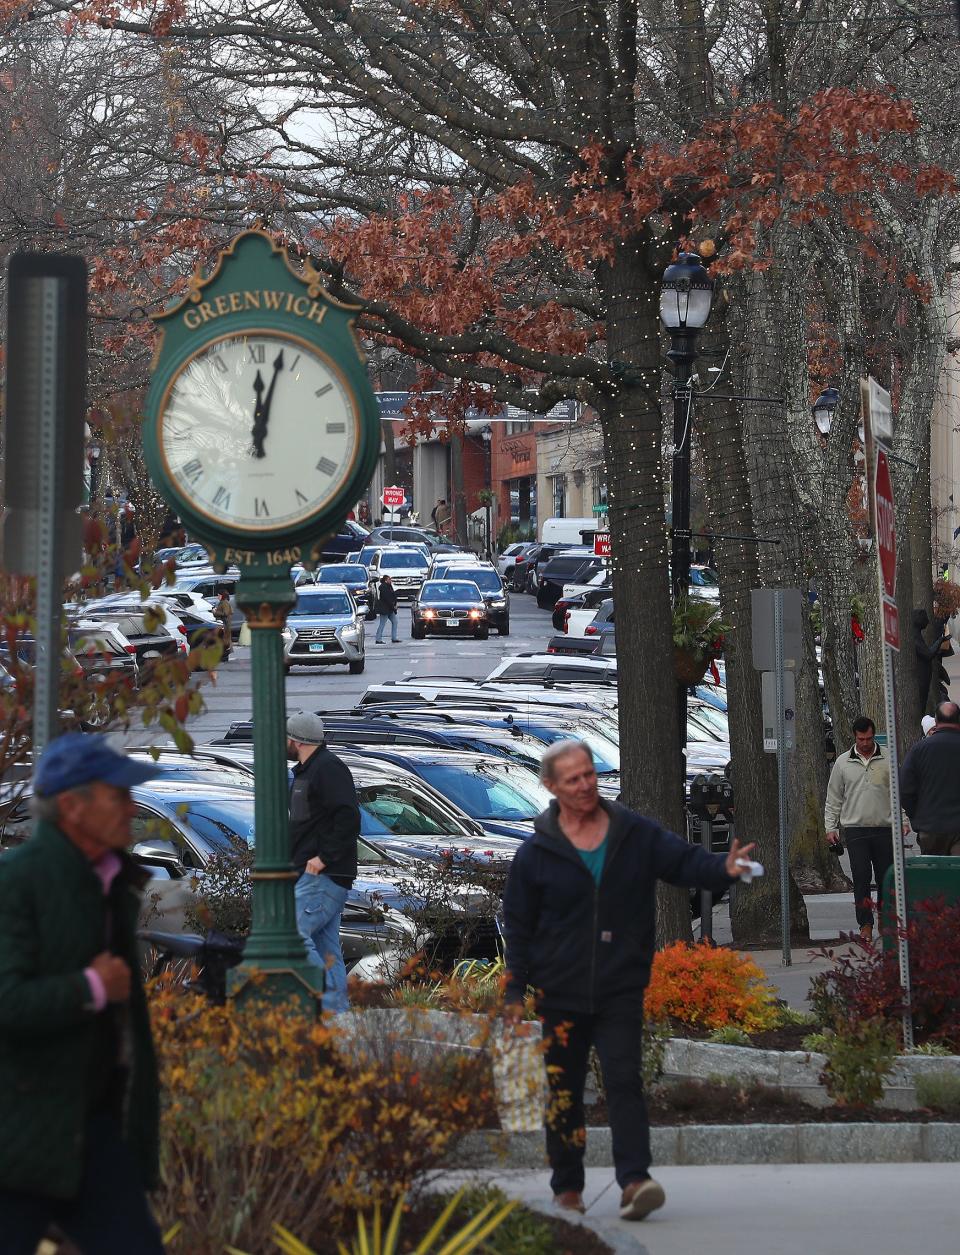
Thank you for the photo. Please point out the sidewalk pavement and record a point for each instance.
(768, 1209)
(829, 914)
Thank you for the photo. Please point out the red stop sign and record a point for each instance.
(886, 525)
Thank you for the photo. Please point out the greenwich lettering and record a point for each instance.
(240, 302)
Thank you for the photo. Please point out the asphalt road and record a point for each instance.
(229, 697)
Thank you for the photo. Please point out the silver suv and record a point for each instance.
(407, 569)
(324, 628)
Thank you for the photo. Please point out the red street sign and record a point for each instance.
(891, 624)
(393, 496)
(601, 544)
(886, 525)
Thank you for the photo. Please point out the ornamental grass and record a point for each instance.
(271, 1118)
(710, 988)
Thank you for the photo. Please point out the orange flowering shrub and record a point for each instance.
(708, 987)
(269, 1117)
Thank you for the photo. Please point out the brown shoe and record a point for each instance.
(569, 1200)
(640, 1198)
(866, 932)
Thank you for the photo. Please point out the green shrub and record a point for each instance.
(817, 1042)
(935, 1048)
(860, 1054)
(939, 1093)
(729, 1035)
(790, 1017)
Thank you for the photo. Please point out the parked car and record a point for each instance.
(452, 607)
(503, 797)
(324, 629)
(351, 536)
(353, 576)
(507, 560)
(389, 535)
(570, 531)
(103, 651)
(208, 584)
(154, 631)
(407, 569)
(584, 602)
(565, 568)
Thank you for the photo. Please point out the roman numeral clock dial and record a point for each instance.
(259, 431)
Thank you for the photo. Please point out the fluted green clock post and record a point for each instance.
(262, 431)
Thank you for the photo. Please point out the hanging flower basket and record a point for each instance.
(688, 668)
(698, 638)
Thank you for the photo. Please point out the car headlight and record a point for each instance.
(498, 603)
(350, 633)
(475, 614)
(287, 634)
(429, 614)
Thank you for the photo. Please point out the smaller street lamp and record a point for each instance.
(823, 410)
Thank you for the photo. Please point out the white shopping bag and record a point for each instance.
(519, 1078)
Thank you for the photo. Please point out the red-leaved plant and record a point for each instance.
(865, 984)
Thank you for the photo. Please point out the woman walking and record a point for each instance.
(386, 608)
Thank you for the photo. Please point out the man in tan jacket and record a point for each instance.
(858, 802)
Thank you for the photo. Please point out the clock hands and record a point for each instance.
(261, 411)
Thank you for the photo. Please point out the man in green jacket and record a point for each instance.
(79, 1110)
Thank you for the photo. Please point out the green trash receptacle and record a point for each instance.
(927, 876)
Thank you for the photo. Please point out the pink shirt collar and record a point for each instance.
(107, 868)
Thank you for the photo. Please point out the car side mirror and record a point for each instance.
(161, 853)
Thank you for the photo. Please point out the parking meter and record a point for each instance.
(709, 794)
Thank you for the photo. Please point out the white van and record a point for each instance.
(569, 531)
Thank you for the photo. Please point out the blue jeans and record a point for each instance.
(109, 1216)
(319, 904)
(393, 627)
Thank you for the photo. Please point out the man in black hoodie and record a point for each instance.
(324, 826)
(930, 784)
(579, 915)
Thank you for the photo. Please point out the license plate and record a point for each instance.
(317, 647)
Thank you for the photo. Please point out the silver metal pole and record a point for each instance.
(782, 801)
(899, 868)
(706, 897)
(45, 314)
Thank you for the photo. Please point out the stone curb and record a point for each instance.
(703, 1144)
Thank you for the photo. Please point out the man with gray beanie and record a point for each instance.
(324, 826)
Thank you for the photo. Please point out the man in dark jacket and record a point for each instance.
(579, 915)
(930, 784)
(324, 826)
(386, 608)
(79, 1108)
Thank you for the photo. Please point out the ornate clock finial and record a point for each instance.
(195, 285)
(312, 278)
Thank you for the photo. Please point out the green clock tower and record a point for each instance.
(262, 431)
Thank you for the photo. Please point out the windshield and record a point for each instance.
(713, 721)
(486, 581)
(705, 579)
(342, 574)
(411, 559)
(323, 603)
(394, 808)
(450, 590)
(222, 824)
(487, 793)
(606, 755)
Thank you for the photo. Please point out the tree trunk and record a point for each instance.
(458, 501)
(631, 423)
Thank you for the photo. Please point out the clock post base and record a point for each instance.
(275, 964)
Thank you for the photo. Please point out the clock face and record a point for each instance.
(259, 430)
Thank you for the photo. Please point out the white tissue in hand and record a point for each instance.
(750, 869)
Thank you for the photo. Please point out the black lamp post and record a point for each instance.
(686, 297)
(486, 434)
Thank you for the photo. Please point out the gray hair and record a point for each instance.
(46, 806)
(559, 749)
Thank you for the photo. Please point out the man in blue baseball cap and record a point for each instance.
(79, 1103)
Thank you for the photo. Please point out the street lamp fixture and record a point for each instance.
(823, 410)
